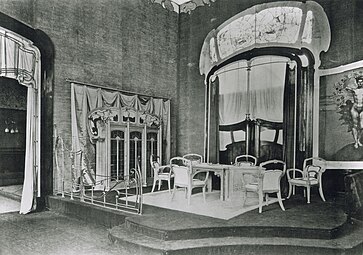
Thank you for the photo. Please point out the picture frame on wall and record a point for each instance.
(341, 116)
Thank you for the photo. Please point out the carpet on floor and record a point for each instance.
(213, 207)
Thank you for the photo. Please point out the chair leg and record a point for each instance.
(159, 184)
(169, 185)
(321, 192)
(280, 200)
(204, 193)
(290, 190)
(173, 194)
(244, 198)
(154, 184)
(308, 193)
(189, 195)
(266, 198)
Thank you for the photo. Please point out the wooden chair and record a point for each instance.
(185, 178)
(275, 169)
(245, 159)
(194, 157)
(161, 173)
(310, 176)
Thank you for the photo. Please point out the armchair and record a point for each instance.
(185, 178)
(275, 169)
(161, 173)
(311, 175)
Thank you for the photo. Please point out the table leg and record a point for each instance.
(222, 185)
(228, 184)
(260, 195)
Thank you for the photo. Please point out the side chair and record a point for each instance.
(245, 159)
(161, 173)
(309, 176)
(193, 157)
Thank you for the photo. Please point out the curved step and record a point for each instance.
(315, 223)
(137, 243)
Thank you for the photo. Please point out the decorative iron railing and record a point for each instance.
(124, 195)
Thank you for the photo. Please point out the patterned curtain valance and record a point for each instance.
(19, 58)
(278, 24)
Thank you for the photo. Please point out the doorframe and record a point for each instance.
(46, 48)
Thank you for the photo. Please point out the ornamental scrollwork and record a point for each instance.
(97, 120)
(149, 120)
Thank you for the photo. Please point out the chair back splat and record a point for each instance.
(245, 159)
(194, 157)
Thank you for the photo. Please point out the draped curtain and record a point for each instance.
(86, 98)
(20, 60)
(214, 122)
(289, 115)
(261, 95)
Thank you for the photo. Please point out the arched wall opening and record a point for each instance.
(272, 116)
(295, 30)
(31, 63)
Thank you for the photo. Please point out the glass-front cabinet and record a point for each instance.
(125, 138)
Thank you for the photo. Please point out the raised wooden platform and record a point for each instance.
(316, 228)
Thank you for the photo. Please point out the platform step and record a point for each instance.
(133, 224)
(137, 243)
(84, 211)
(317, 221)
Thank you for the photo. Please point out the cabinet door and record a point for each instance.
(135, 148)
(117, 164)
(151, 149)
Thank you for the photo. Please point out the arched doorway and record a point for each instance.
(296, 30)
(27, 57)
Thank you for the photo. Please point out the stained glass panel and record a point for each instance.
(276, 25)
(308, 28)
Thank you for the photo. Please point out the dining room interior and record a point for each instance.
(187, 126)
